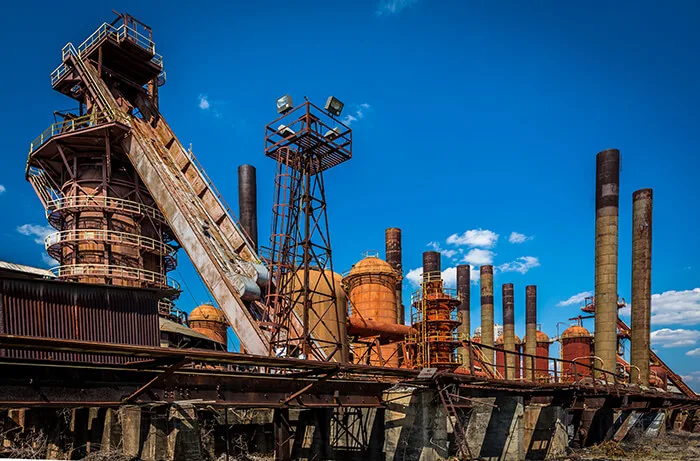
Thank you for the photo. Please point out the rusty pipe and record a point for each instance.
(509, 329)
(248, 202)
(392, 239)
(486, 275)
(641, 284)
(530, 329)
(431, 266)
(606, 245)
(463, 294)
(387, 332)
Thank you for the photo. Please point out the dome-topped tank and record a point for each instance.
(210, 321)
(371, 285)
(576, 342)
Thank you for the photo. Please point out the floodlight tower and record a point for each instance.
(305, 299)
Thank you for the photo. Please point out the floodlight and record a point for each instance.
(285, 131)
(334, 106)
(332, 134)
(284, 104)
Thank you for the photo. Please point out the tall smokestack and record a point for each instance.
(606, 222)
(463, 294)
(248, 202)
(431, 265)
(486, 274)
(509, 329)
(392, 238)
(530, 328)
(641, 285)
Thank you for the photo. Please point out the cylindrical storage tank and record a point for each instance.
(210, 321)
(542, 353)
(327, 322)
(576, 342)
(371, 286)
(515, 371)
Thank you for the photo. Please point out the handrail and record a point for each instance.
(106, 270)
(558, 376)
(108, 236)
(75, 124)
(104, 201)
(121, 33)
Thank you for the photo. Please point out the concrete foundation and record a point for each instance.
(414, 426)
(544, 432)
(495, 429)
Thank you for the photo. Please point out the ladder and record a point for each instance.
(452, 415)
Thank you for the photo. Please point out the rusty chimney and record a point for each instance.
(530, 328)
(487, 339)
(392, 238)
(641, 285)
(463, 294)
(509, 329)
(606, 229)
(248, 202)
(431, 265)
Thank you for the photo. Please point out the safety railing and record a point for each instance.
(112, 204)
(120, 33)
(74, 124)
(557, 371)
(148, 278)
(109, 237)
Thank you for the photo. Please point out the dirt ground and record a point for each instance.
(680, 446)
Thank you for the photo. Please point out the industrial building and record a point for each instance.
(332, 365)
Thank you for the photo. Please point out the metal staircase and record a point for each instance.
(454, 418)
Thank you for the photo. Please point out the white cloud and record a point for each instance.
(393, 6)
(693, 353)
(676, 307)
(474, 238)
(578, 298)
(48, 260)
(517, 237)
(449, 276)
(446, 253)
(2, 189)
(522, 264)
(37, 231)
(666, 337)
(479, 257)
(415, 276)
(687, 378)
(204, 102)
(358, 114)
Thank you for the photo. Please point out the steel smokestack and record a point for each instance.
(248, 202)
(486, 274)
(431, 265)
(463, 294)
(530, 329)
(606, 241)
(509, 329)
(641, 285)
(392, 238)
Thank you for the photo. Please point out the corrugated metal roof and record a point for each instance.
(174, 327)
(4, 265)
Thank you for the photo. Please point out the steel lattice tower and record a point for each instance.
(305, 298)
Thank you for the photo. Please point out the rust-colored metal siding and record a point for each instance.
(64, 310)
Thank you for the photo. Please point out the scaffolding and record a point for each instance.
(435, 320)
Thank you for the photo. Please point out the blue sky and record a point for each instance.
(469, 116)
